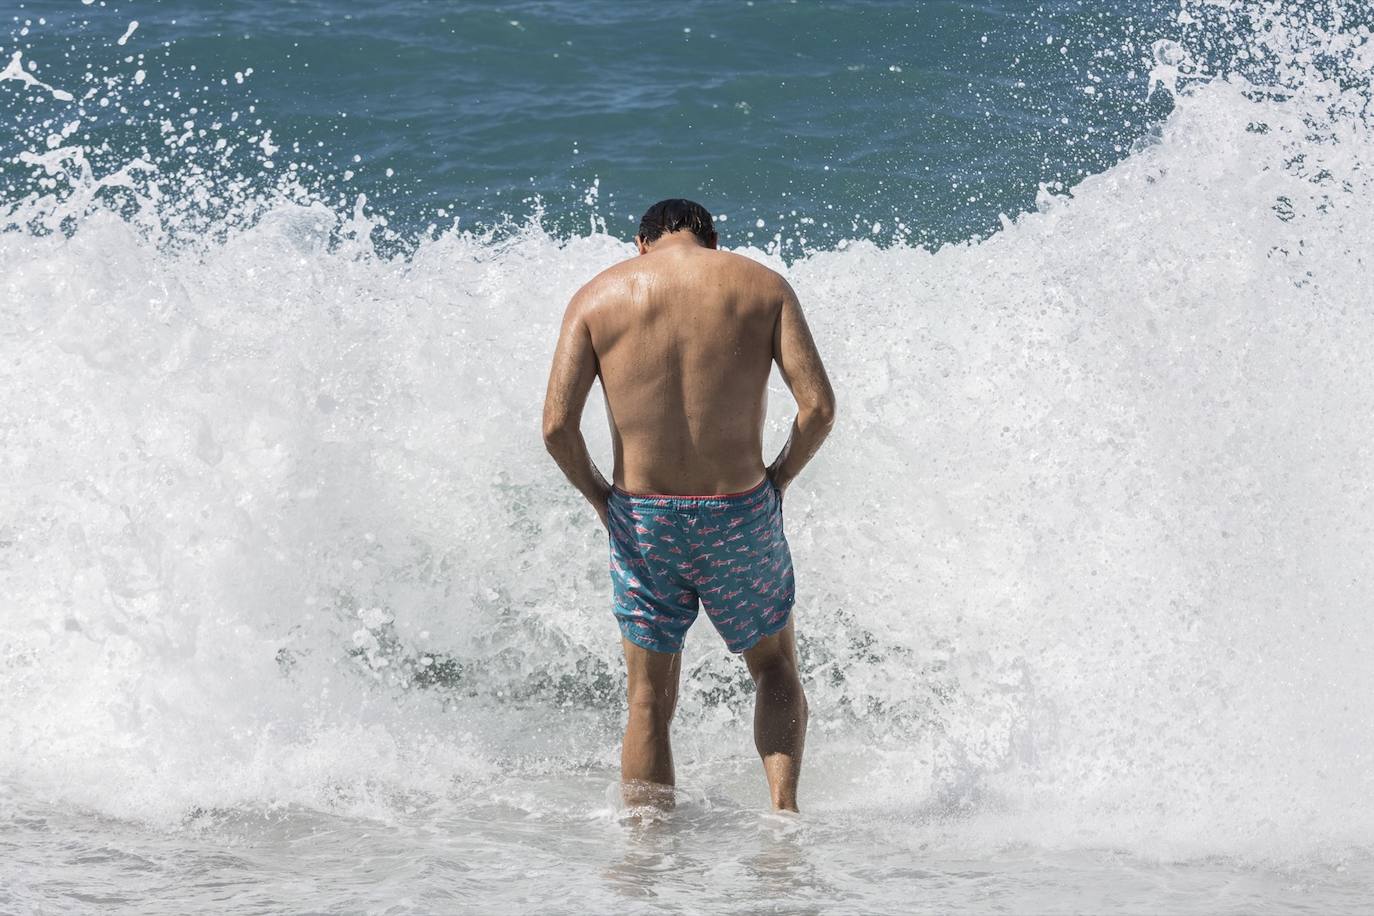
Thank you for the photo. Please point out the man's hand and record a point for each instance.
(775, 478)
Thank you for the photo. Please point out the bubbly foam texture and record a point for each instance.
(1085, 562)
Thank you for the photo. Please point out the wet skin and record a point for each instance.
(683, 338)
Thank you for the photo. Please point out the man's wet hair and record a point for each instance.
(673, 214)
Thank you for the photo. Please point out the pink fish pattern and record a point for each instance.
(726, 553)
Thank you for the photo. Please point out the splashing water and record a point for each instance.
(1085, 566)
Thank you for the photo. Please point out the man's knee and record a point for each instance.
(776, 669)
(652, 708)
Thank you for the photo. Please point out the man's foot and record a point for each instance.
(636, 793)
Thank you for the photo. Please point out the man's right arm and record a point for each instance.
(804, 374)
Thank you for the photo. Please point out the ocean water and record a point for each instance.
(298, 616)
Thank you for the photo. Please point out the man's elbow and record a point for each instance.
(821, 413)
(557, 432)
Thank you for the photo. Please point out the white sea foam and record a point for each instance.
(15, 71)
(1086, 562)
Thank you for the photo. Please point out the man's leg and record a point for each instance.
(646, 759)
(779, 713)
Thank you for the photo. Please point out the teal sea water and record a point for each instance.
(930, 120)
(297, 616)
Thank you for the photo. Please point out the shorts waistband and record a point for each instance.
(680, 501)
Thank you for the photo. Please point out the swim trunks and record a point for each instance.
(726, 552)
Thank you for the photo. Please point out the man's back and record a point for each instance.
(684, 341)
(683, 338)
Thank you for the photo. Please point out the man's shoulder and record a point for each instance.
(749, 280)
(765, 280)
(620, 282)
(610, 283)
(742, 262)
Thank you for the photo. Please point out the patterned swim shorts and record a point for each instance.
(727, 552)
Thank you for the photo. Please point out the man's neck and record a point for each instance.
(683, 238)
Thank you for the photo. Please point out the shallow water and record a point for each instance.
(554, 844)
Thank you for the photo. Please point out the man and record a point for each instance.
(683, 338)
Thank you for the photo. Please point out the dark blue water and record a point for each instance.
(824, 120)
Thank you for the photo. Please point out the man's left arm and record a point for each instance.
(570, 380)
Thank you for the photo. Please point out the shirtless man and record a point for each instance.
(683, 338)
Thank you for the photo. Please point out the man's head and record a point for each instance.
(668, 217)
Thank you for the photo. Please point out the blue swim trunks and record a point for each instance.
(728, 553)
